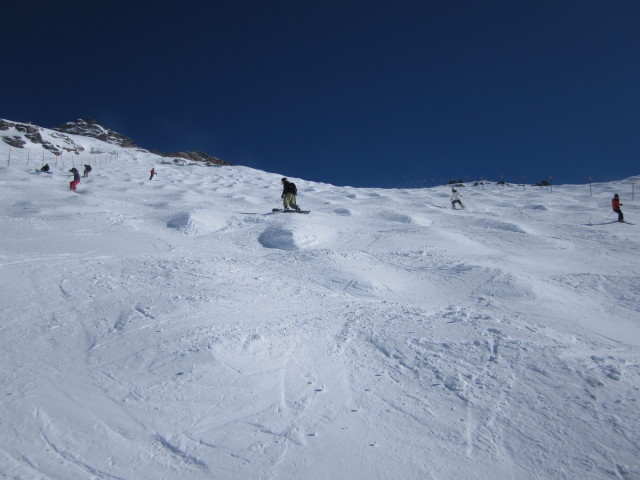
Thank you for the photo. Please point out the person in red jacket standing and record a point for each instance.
(615, 205)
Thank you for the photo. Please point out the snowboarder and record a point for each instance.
(615, 206)
(153, 172)
(455, 198)
(289, 192)
(45, 168)
(76, 178)
(87, 169)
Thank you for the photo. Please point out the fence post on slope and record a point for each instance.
(9, 158)
(551, 183)
(633, 188)
(523, 188)
(28, 154)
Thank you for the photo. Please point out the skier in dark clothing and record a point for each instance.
(87, 169)
(289, 192)
(615, 206)
(76, 178)
(153, 172)
(45, 168)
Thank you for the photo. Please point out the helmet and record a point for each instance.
(284, 179)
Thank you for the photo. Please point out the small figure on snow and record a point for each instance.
(615, 206)
(45, 168)
(153, 172)
(76, 178)
(289, 192)
(87, 169)
(455, 198)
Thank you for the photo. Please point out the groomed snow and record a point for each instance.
(177, 329)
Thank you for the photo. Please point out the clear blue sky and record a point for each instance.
(361, 93)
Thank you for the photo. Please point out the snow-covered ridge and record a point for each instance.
(88, 127)
(177, 328)
(70, 139)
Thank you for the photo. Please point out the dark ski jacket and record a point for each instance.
(76, 174)
(289, 187)
(45, 167)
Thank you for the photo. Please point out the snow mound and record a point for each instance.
(277, 237)
(536, 207)
(197, 222)
(503, 226)
(397, 217)
(304, 236)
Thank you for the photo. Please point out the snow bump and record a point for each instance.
(197, 222)
(277, 237)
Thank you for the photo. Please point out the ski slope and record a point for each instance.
(178, 329)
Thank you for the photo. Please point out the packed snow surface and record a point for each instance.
(176, 328)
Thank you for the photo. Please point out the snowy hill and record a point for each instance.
(175, 328)
(69, 141)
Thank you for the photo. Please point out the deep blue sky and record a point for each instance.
(361, 93)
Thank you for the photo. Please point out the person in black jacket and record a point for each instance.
(76, 178)
(87, 169)
(45, 168)
(289, 192)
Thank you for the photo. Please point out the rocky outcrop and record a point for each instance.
(34, 135)
(58, 140)
(194, 156)
(87, 127)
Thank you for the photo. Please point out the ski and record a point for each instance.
(611, 223)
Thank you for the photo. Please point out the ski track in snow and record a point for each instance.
(175, 328)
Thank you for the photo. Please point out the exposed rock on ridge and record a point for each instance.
(193, 156)
(33, 134)
(87, 127)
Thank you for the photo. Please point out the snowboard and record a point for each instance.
(289, 211)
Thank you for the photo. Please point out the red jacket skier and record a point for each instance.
(615, 206)
(76, 178)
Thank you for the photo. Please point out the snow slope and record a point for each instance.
(177, 329)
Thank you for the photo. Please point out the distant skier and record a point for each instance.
(45, 168)
(615, 206)
(289, 192)
(455, 198)
(153, 172)
(76, 178)
(87, 169)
